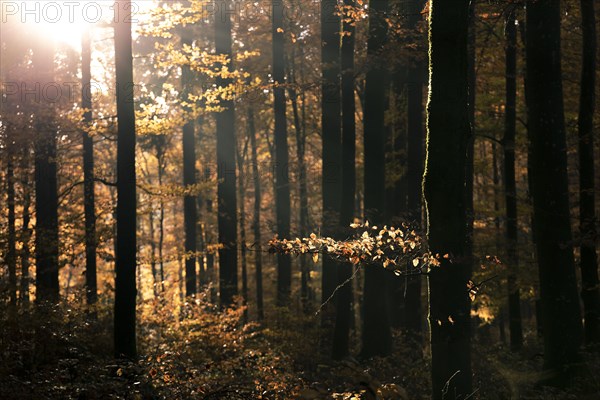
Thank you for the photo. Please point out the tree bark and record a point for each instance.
(448, 136)
(125, 262)
(256, 220)
(343, 316)
(331, 134)
(11, 252)
(241, 159)
(190, 213)
(226, 167)
(590, 292)
(282, 183)
(413, 311)
(510, 186)
(89, 200)
(376, 334)
(561, 316)
(46, 185)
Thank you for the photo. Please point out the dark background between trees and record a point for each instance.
(147, 165)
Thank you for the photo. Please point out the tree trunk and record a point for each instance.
(125, 261)
(190, 216)
(256, 220)
(341, 335)
(241, 160)
(46, 185)
(302, 185)
(11, 252)
(226, 191)
(561, 316)
(376, 334)
(282, 183)
(590, 292)
(89, 201)
(448, 136)
(25, 238)
(413, 311)
(331, 134)
(510, 186)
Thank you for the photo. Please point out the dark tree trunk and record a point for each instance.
(448, 136)
(413, 311)
(282, 183)
(125, 262)
(300, 131)
(590, 293)
(89, 201)
(510, 186)
(46, 185)
(25, 239)
(344, 297)
(241, 160)
(561, 316)
(160, 158)
(332, 140)
(190, 216)
(226, 167)
(11, 251)
(303, 194)
(210, 256)
(256, 221)
(376, 334)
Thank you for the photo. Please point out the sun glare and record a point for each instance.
(65, 21)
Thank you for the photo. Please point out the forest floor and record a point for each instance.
(199, 352)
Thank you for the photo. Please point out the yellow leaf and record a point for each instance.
(315, 257)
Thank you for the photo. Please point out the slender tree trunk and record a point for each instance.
(46, 185)
(190, 215)
(341, 335)
(210, 256)
(376, 334)
(590, 292)
(256, 220)
(125, 261)
(332, 138)
(241, 159)
(448, 137)
(561, 316)
(25, 239)
(11, 253)
(413, 311)
(282, 183)
(161, 218)
(152, 252)
(510, 186)
(226, 167)
(302, 186)
(89, 200)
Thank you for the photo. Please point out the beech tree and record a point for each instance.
(331, 134)
(282, 184)
(226, 166)
(561, 315)
(590, 292)
(190, 213)
(510, 187)
(89, 200)
(125, 260)
(343, 315)
(448, 133)
(46, 183)
(376, 335)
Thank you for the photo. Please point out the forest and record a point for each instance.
(299, 199)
